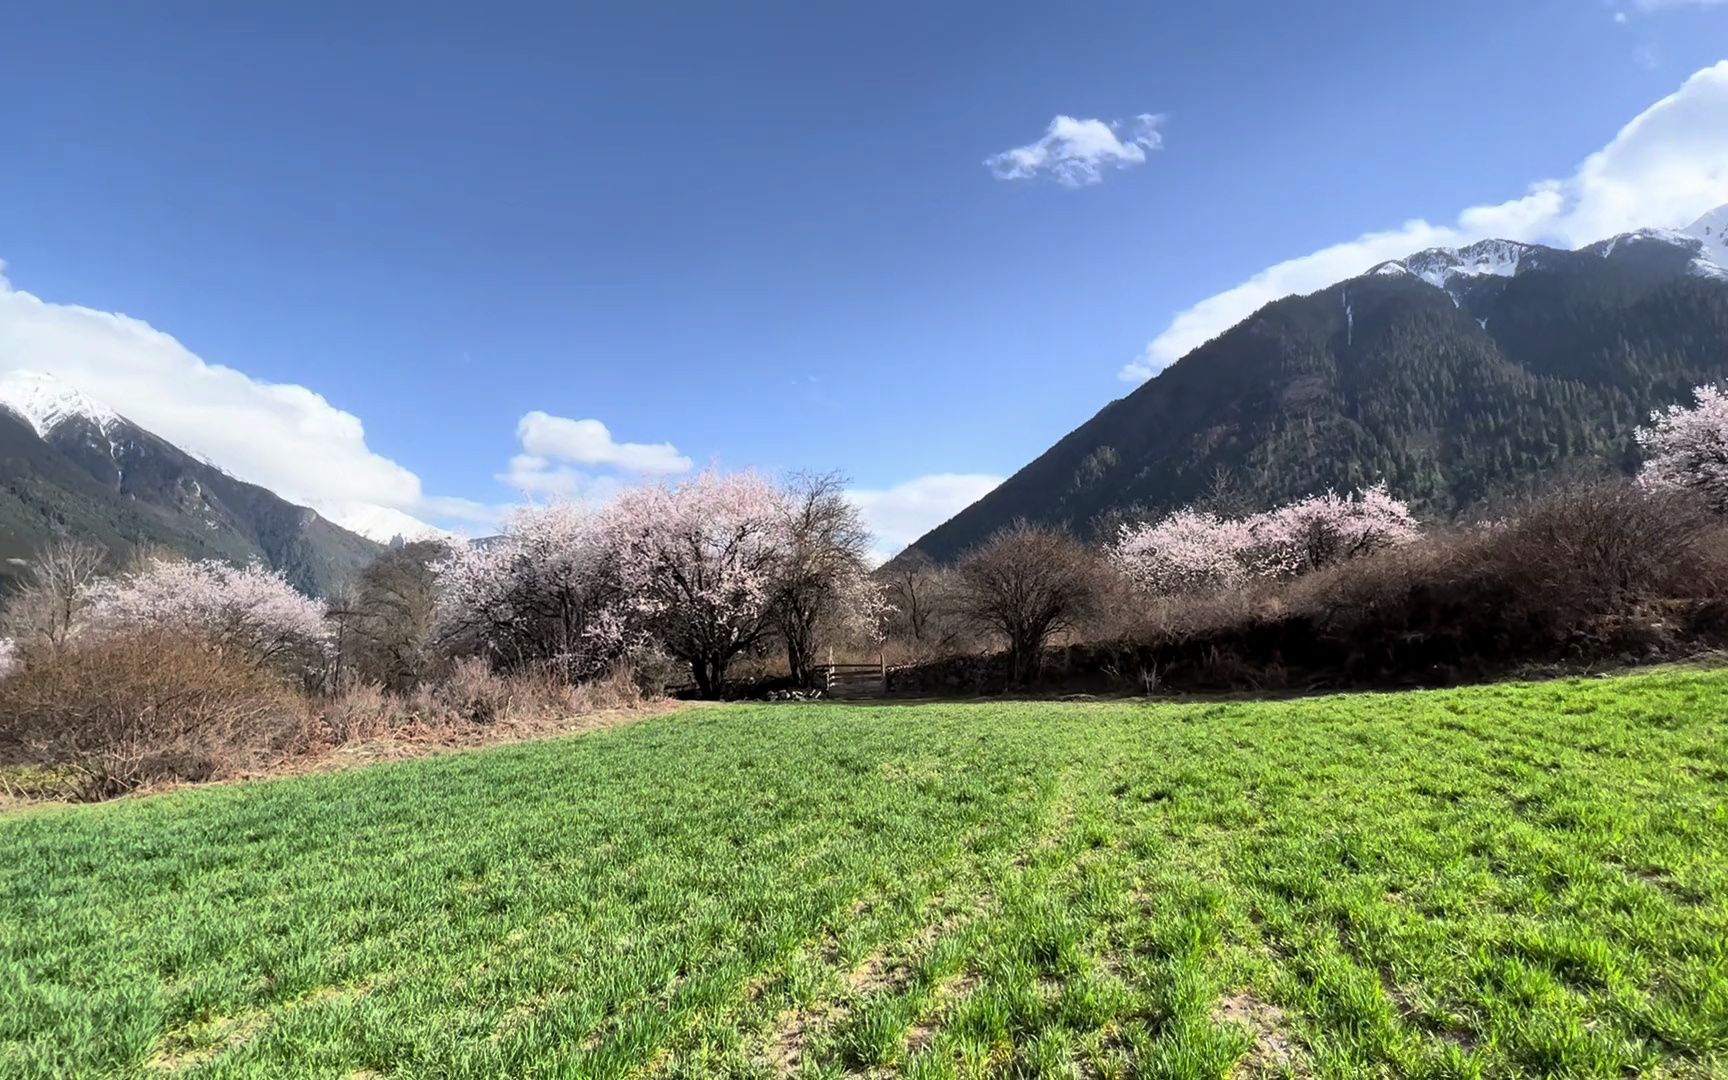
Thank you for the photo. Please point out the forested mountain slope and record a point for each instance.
(1450, 375)
(72, 466)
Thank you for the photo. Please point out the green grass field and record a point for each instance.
(1522, 879)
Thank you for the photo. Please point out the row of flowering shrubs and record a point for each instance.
(1197, 551)
(571, 607)
(180, 669)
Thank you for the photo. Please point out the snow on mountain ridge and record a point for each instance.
(385, 524)
(46, 402)
(1711, 232)
(1484, 258)
(1712, 229)
(1440, 266)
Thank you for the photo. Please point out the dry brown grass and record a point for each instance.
(473, 706)
(146, 713)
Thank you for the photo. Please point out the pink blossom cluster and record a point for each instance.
(1323, 530)
(694, 568)
(864, 608)
(1187, 551)
(544, 590)
(250, 608)
(697, 562)
(1195, 551)
(1687, 447)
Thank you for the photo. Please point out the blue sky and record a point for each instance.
(763, 233)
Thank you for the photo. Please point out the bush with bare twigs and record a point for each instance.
(1026, 583)
(120, 712)
(470, 700)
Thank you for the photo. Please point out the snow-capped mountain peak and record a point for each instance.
(47, 402)
(1439, 266)
(384, 524)
(1711, 230)
(1456, 270)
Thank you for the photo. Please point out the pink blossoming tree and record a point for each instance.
(545, 591)
(1324, 530)
(698, 566)
(1687, 447)
(1193, 551)
(250, 608)
(1187, 551)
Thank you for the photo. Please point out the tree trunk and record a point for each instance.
(799, 661)
(1024, 654)
(710, 673)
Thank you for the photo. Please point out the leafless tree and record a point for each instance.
(1026, 583)
(826, 566)
(45, 611)
(393, 614)
(920, 592)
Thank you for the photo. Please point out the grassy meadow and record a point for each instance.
(1508, 880)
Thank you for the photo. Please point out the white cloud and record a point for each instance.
(1076, 152)
(282, 436)
(588, 442)
(537, 478)
(1665, 169)
(900, 514)
(559, 455)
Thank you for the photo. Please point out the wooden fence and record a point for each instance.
(854, 680)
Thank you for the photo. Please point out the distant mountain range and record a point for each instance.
(1451, 375)
(71, 465)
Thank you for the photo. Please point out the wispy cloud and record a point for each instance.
(1664, 169)
(1076, 152)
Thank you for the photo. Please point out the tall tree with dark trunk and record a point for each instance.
(698, 566)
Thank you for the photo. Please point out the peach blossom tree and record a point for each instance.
(1686, 447)
(698, 566)
(250, 608)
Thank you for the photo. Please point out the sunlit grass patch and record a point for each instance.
(1522, 879)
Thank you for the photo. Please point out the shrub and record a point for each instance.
(250, 609)
(118, 712)
(469, 701)
(1026, 583)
